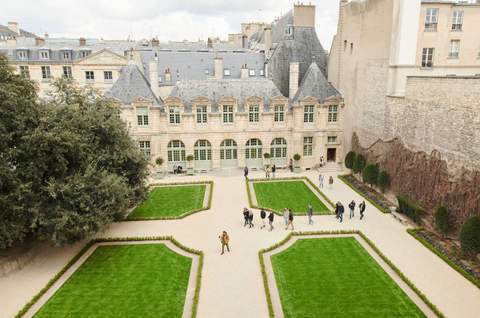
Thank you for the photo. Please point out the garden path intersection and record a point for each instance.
(231, 284)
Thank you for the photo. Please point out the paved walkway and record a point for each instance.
(231, 283)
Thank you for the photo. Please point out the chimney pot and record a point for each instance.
(82, 41)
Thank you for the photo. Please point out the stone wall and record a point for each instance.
(425, 178)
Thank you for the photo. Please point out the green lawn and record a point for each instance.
(170, 201)
(145, 280)
(336, 277)
(295, 195)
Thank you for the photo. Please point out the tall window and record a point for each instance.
(431, 19)
(227, 114)
(228, 149)
(174, 115)
(202, 150)
(46, 73)
(308, 114)
(253, 149)
(307, 146)
(454, 49)
(427, 57)
(67, 72)
(332, 113)
(24, 71)
(457, 20)
(89, 76)
(176, 151)
(142, 116)
(279, 113)
(201, 114)
(44, 55)
(145, 148)
(278, 148)
(108, 76)
(253, 113)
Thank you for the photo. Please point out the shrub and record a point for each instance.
(470, 236)
(370, 174)
(159, 161)
(189, 157)
(410, 209)
(442, 221)
(359, 164)
(383, 180)
(266, 155)
(350, 159)
(296, 157)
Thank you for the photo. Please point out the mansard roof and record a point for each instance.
(132, 85)
(316, 85)
(239, 89)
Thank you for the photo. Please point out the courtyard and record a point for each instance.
(232, 284)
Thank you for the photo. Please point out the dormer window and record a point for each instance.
(44, 55)
(84, 53)
(226, 72)
(66, 55)
(22, 55)
(251, 72)
(289, 30)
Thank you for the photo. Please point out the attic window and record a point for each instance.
(351, 48)
(226, 72)
(289, 30)
(206, 72)
(344, 45)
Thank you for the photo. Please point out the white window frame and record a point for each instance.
(66, 55)
(332, 139)
(226, 72)
(67, 71)
(431, 19)
(90, 76)
(457, 20)
(24, 71)
(22, 55)
(84, 53)
(262, 72)
(108, 78)
(251, 72)
(454, 49)
(228, 150)
(174, 115)
(227, 114)
(144, 146)
(279, 113)
(332, 113)
(427, 57)
(253, 113)
(308, 113)
(46, 74)
(308, 146)
(43, 54)
(142, 116)
(201, 114)
(176, 151)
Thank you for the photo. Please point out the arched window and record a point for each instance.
(253, 149)
(228, 149)
(202, 150)
(176, 151)
(278, 148)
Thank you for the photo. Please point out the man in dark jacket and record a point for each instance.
(362, 209)
(290, 219)
(341, 210)
(352, 209)
(270, 220)
(263, 215)
(245, 172)
(245, 216)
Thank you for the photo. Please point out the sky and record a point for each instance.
(174, 20)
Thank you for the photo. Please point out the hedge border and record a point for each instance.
(366, 239)
(351, 186)
(443, 256)
(249, 194)
(181, 216)
(77, 256)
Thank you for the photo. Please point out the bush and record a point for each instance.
(410, 209)
(370, 174)
(359, 164)
(442, 221)
(383, 180)
(470, 236)
(190, 158)
(266, 155)
(159, 161)
(350, 159)
(296, 157)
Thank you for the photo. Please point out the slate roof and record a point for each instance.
(240, 89)
(316, 85)
(5, 31)
(132, 84)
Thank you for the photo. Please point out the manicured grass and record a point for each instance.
(336, 277)
(295, 195)
(170, 201)
(144, 280)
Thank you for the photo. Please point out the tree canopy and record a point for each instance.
(68, 166)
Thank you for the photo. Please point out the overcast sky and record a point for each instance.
(167, 19)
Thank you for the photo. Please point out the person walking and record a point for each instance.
(352, 209)
(337, 209)
(224, 240)
(341, 210)
(320, 180)
(290, 165)
(330, 182)
(263, 214)
(267, 172)
(245, 216)
(270, 220)
(362, 209)
(310, 213)
(274, 168)
(290, 219)
(285, 216)
(245, 172)
(250, 218)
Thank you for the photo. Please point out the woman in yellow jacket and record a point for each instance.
(224, 239)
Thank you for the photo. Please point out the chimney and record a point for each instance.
(82, 42)
(244, 41)
(218, 68)
(168, 75)
(153, 75)
(267, 38)
(209, 43)
(155, 42)
(13, 26)
(244, 72)
(293, 79)
(39, 41)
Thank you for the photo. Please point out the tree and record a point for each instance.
(359, 164)
(68, 165)
(383, 180)
(370, 174)
(470, 236)
(350, 159)
(442, 220)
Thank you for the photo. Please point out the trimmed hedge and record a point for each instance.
(410, 209)
(52, 281)
(359, 164)
(442, 220)
(350, 159)
(470, 236)
(370, 174)
(362, 193)
(383, 181)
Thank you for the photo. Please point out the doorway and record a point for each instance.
(331, 154)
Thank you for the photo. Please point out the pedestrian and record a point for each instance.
(352, 209)
(245, 216)
(341, 210)
(362, 209)
(330, 182)
(337, 209)
(245, 172)
(267, 171)
(250, 218)
(263, 214)
(270, 220)
(224, 240)
(285, 216)
(274, 168)
(320, 180)
(310, 213)
(290, 165)
(290, 219)
(321, 162)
